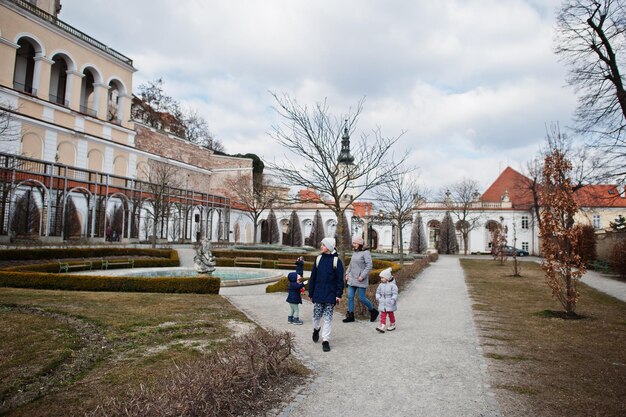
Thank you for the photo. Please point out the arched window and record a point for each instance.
(24, 67)
(87, 94)
(433, 233)
(113, 103)
(58, 81)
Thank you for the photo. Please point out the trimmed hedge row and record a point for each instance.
(378, 265)
(170, 260)
(71, 252)
(44, 276)
(35, 280)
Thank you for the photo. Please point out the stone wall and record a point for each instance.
(605, 241)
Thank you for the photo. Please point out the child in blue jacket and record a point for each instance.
(294, 297)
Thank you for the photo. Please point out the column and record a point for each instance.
(74, 84)
(7, 61)
(100, 100)
(123, 108)
(41, 77)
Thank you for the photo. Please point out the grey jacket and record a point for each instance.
(387, 296)
(360, 266)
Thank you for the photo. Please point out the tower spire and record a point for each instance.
(344, 156)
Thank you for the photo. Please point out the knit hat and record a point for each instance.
(385, 273)
(358, 240)
(292, 277)
(329, 242)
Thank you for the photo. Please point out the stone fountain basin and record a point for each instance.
(230, 276)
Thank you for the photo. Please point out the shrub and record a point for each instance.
(47, 281)
(237, 379)
(587, 244)
(618, 258)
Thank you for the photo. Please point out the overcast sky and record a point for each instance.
(472, 82)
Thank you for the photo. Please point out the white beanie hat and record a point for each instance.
(385, 273)
(329, 242)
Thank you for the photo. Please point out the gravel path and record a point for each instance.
(432, 365)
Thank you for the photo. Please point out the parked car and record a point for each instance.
(510, 250)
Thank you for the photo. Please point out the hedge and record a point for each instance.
(377, 266)
(35, 280)
(45, 276)
(89, 252)
(169, 261)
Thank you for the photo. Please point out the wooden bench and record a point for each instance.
(106, 263)
(256, 262)
(599, 265)
(66, 266)
(285, 263)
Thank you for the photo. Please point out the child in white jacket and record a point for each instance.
(387, 296)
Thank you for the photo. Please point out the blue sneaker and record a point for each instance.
(296, 320)
(290, 319)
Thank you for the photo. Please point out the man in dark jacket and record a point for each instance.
(325, 289)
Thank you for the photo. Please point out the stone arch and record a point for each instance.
(24, 74)
(32, 146)
(66, 153)
(88, 93)
(142, 171)
(40, 200)
(490, 228)
(95, 160)
(433, 227)
(120, 166)
(116, 91)
(59, 88)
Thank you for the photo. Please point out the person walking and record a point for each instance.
(325, 290)
(387, 296)
(357, 278)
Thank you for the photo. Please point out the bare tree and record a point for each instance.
(397, 199)
(197, 131)
(563, 264)
(459, 202)
(591, 40)
(8, 129)
(256, 197)
(162, 179)
(516, 264)
(447, 236)
(322, 161)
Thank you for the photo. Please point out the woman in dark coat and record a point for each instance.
(325, 289)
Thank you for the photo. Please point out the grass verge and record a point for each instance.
(67, 353)
(541, 363)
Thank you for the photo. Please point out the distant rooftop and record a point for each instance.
(71, 30)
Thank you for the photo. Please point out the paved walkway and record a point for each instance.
(609, 286)
(431, 366)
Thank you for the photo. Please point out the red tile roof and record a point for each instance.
(362, 209)
(516, 184)
(602, 195)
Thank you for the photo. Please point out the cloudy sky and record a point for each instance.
(472, 82)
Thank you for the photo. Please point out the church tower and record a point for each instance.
(345, 162)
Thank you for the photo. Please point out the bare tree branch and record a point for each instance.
(313, 136)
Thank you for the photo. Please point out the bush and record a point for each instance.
(47, 281)
(587, 244)
(237, 379)
(618, 258)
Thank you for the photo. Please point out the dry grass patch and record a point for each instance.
(540, 363)
(63, 353)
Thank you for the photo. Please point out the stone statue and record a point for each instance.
(204, 261)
